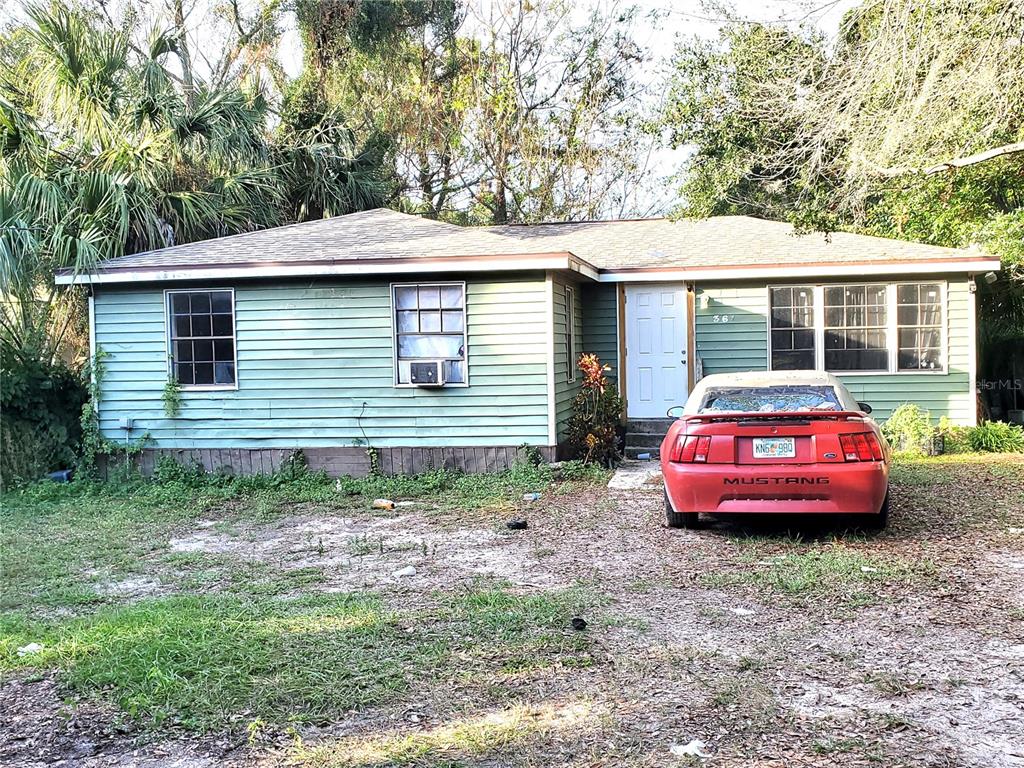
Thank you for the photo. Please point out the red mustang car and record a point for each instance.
(781, 442)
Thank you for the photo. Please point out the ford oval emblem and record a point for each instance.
(830, 455)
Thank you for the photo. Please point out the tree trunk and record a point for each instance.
(183, 54)
(500, 203)
(426, 180)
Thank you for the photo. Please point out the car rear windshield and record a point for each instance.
(770, 399)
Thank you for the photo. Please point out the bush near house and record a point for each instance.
(909, 431)
(996, 437)
(593, 430)
(40, 410)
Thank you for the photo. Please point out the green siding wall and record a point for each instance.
(565, 391)
(730, 327)
(600, 324)
(311, 355)
(732, 335)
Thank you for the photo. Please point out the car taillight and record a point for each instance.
(861, 446)
(691, 448)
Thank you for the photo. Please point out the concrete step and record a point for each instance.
(649, 426)
(643, 440)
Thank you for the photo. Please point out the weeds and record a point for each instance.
(198, 661)
(797, 569)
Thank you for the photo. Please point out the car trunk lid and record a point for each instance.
(775, 438)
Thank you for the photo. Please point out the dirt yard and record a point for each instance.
(242, 632)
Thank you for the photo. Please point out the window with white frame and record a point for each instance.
(858, 327)
(570, 332)
(430, 324)
(919, 326)
(202, 337)
(792, 328)
(855, 328)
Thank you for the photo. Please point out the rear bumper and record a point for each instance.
(855, 488)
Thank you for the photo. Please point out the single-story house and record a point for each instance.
(436, 344)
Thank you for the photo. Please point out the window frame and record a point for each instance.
(169, 339)
(943, 329)
(892, 326)
(816, 313)
(570, 333)
(887, 328)
(465, 333)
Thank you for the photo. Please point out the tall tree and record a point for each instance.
(910, 125)
(556, 124)
(396, 70)
(495, 112)
(105, 150)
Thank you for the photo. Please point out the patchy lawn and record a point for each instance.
(274, 622)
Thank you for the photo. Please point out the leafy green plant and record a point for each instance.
(955, 438)
(909, 430)
(996, 437)
(172, 397)
(530, 454)
(593, 429)
(94, 444)
(40, 402)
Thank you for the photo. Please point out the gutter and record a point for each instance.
(564, 261)
(559, 261)
(788, 271)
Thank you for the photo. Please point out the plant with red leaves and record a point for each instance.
(593, 429)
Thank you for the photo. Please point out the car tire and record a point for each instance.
(679, 519)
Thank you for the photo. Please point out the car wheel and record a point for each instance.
(679, 519)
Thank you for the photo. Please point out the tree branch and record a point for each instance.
(980, 157)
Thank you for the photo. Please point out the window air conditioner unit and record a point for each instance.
(427, 374)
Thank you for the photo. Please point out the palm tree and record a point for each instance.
(103, 153)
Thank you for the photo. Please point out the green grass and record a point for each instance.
(198, 661)
(948, 468)
(203, 662)
(460, 743)
(253, 641)
(807, 570)
(522, 633)
(59, 542)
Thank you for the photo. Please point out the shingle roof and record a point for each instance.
(376, 234)
(381, 241)
(721, 241)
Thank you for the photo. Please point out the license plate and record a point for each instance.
(774, 448)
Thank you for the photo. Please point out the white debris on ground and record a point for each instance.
(28, 650)
(695, 748)
(632, 475)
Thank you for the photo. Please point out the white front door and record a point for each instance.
(655, 349)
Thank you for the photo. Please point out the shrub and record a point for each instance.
(40, 405)
(909, 430)
(996, 437)
(955, 439)
(593, 430)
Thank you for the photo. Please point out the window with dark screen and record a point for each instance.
(202, 337)
(792, 328)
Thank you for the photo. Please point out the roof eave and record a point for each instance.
(797, 271)
(558, 261)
